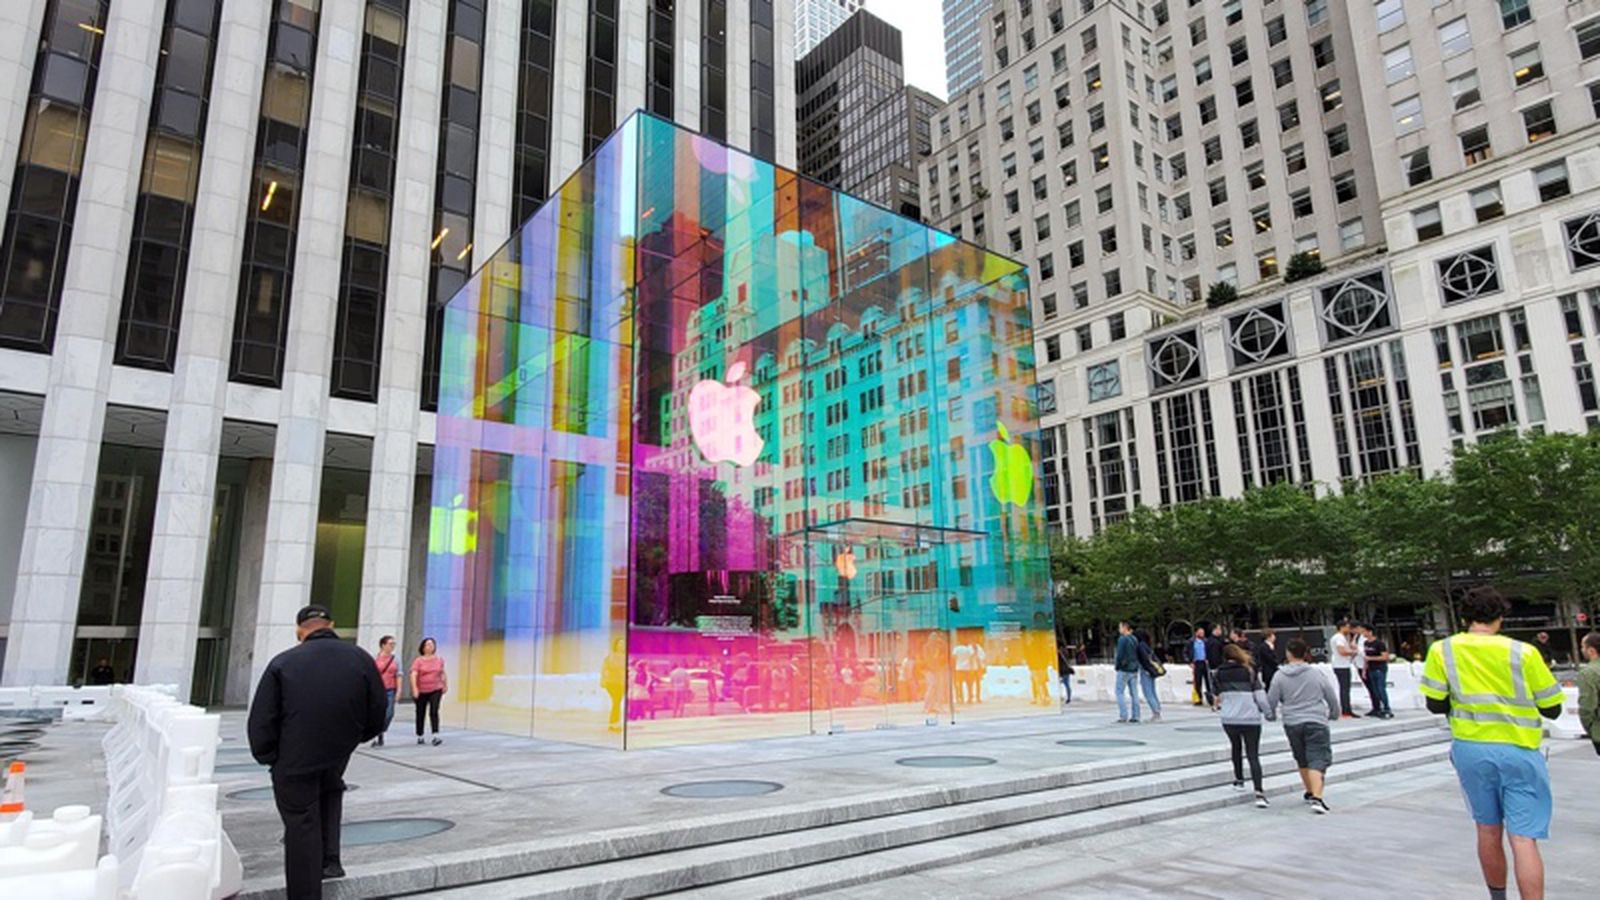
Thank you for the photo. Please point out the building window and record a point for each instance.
(531, 163)
(1332, 96)
(1282, 72)
(713, 64)
(1418, 169)
(1539, 122)
(1267, 265)
(1294, 159)
(1514, 13)
(1232, 11)
(1398, 65)
(1289, 116)
(1526, 66)
(261, 324)
(358, 330)
(1551, 180)
(1464, 90)
(152, 299)
(1407, 115)
(1322, 52)
(1244, 93)
(1391, 15)
(1174, 360)
(763, 85)
(1583, 240)
(1316, 12)
(1113, 282)
(1588, 37)
(1186, 455)
(1259, 335)
(1052, 349)
(1239, 52)
(1338, 140)
(1475, 145)
(1355, 307)
(1344, 187)
(1486, 203)
(1300, 201)
(1085, 338)
(1468, 275)
(1047, 267)
(1262, 217)
(1118, 322)
(1105, 381)
(1427, 222)
(1352, 234)
(1454, 37)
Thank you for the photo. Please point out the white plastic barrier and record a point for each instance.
(73, 702)
(1567, 726)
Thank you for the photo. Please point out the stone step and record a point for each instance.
(841, 874)
(972, 811)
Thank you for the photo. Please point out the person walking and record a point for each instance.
(1202, 669)
(1150, 668)
(389, 671)
(1244, 703)
(1589, 688)
(1341, 653)
(1066, 671)
(1126, 663)
(428, 686)
(316, 702)
(1215, 659)
(1306, 702)
(1265, 653)
(1377, 655)
(1495, 691)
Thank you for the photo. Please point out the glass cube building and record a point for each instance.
(723, 454)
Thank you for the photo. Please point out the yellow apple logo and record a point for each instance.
(453, 529)
(1013, 470)
(846, 563)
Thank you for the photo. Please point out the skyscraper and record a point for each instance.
(228, 231)
(861, 128)
(1270, 242)
(816, 19)
(963, 43)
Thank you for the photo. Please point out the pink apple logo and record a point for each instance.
(722, 419)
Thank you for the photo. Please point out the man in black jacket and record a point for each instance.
(315, 704)
(1264, 651)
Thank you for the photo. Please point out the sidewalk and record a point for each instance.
(1404, 834)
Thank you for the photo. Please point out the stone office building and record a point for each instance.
(229, 227)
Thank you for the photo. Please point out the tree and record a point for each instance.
(1302, 265)
(1221, 294)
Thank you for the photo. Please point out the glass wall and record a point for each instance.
(724, 454)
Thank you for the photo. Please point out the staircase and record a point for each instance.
(806, 848)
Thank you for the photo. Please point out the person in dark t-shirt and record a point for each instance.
(1377, 653)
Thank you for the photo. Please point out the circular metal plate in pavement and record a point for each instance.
(1101, 742)
(718, 790)
(387, 831)
(944, 762)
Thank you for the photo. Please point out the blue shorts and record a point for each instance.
(1504, 785)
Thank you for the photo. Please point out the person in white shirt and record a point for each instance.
(1342, 652)
(961, 657)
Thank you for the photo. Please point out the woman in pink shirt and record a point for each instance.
(427, 686)
(389, 671)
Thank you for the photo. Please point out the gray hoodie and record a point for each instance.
(1306, 694)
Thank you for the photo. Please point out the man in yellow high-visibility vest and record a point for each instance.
(1495, 691)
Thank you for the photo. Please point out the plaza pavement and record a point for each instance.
(1400, 834)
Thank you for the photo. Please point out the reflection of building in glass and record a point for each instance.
(746, 457)
(861, 127)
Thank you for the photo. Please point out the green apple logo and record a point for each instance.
(1013, 470)
(453, 529)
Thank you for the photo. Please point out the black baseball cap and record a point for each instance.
(314, 611)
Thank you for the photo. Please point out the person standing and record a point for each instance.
(102, 673)
(1264, 650)
(389, 671)
(1244, 703)
(961, 661)
(1215, 659)
(428, 686)
(1308, 702)
(1066, 670)
(1495, 691)
(1341, 653)
(1377, 655)
(1126, 663)
(316, 702)
(1589, 688)
(1150, 668)
(1200, 662)
(1541, 643)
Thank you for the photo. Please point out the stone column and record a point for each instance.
(61, 501)
(389, 541)
(686, 62)
(247, 582)
(632, 69)
(20, 21)
(569, 73)
(308, 358)
(737, 66)
(181, 534)
(497, 126)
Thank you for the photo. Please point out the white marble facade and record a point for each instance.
(57, 404)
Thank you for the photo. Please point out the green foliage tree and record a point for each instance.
(1221, 293)
(1302, 265)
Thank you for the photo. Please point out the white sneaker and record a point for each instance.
(1261, 800)
(1318, 807)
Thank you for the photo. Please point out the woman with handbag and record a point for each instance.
(1150, 668)
(389, 671)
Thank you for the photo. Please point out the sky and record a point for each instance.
(921, 24)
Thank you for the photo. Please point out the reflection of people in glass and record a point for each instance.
(102, 673)
(613, 678)
(642, 691)
(936, 672)
(678, 678)
(961, 662)
(1036, 652)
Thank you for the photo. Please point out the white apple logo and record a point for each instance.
(722, 419)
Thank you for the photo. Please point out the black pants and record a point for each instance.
(1248, 739)
(428, 703)
(1343, 677)
(311, 806)
(1202, 681)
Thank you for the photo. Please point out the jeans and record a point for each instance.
(311, 806)
(388, 713)
(1249, 736)
(1343, 677)
(1066, 687)
(1378, 687)
(1148, 682)
(1127, 682)
(428, 703)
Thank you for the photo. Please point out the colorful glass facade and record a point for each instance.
(724, 454)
